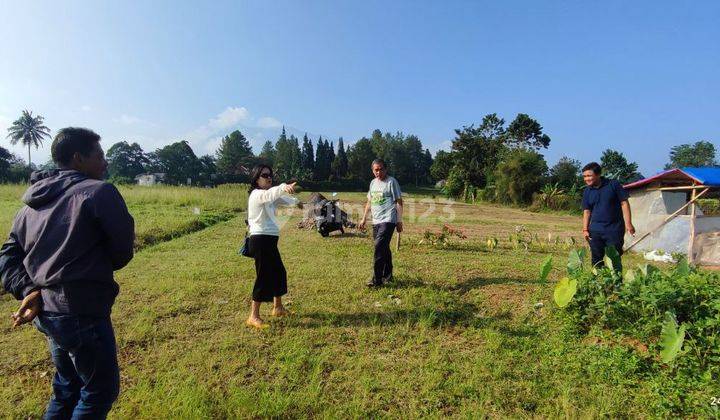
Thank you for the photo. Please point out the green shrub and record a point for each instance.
(639, 304)
(552, 197)
(710, 206)
(519, 176)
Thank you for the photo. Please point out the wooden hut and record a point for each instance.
(666, 215)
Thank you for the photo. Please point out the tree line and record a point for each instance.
(493, 161)
(323, 161)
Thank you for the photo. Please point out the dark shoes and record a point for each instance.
(374, 283)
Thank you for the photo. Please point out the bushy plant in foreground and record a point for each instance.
(676, 312)
(443, 238)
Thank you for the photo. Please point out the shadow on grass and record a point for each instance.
(480, 248)
(462, 287)
(464, 315)
(472, 283)
(337, 235)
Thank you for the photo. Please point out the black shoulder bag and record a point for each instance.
(245, 248)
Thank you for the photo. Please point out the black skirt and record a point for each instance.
(271, 277)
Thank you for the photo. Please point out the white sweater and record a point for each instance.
(261, 209)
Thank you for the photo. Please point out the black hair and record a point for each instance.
(255, 175)
(593, 166)
(379, 161)
(71, 140)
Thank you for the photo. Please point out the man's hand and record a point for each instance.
(361, 225)
(290, 188)
(30, 307)
(399, 227)
(630, 228)
(586, 234)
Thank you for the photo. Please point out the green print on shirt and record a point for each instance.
(377, 198)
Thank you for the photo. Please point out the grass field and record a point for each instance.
(160, 214)
(457, 334)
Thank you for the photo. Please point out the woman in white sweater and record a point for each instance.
(271, 277)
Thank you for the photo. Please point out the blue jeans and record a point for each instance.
(599, 240)
(87, 378)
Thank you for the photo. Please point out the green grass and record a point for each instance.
(161, 213)
(456, 334)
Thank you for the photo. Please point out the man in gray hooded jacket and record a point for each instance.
(65, 243)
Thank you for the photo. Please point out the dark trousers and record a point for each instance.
(382, 234)
(271, 277)
(599, 240)
(87, 377)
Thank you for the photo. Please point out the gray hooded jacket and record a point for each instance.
(69, 238)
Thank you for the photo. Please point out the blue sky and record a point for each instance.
(639, 76)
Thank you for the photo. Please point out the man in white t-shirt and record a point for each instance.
(385, 200)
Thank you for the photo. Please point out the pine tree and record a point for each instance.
(288, 161)
(234, 157)
(340, 163)
(328, 156)
(319, 156)
(308, 157)
(267, 154)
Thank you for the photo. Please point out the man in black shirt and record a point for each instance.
(65, 243)
(606, 213)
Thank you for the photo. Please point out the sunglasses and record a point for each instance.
(266, 176)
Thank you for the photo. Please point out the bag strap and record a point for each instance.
(247, 228)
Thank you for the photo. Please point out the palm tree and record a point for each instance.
(28, 130)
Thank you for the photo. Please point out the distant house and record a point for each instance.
(667, 218)
(150, 179)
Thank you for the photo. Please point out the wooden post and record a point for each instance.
(691, 241)
(667, 219)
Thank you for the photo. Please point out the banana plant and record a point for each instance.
(564, 291)
(671, 338)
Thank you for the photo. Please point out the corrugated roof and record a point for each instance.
(701, 176)
(706, 176)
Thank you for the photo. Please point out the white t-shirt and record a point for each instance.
(383, 195)
(262, 219)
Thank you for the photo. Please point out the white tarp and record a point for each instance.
(650, 208)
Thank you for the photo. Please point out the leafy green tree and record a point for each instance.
(177, 161)
(616, 166)
(400, 163)
(524, 131)
(19, 171)
(208, 170)
(477, 150)
(519, 176)
(48, 165)
(441, 166)
(267, 154)
(427, 163)
(28, 130)
(125, 161)
(6, 160)
(456, 184)
(360, 157)
(380, 145)
(235, 157)
(566, 173)
(697, 155)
